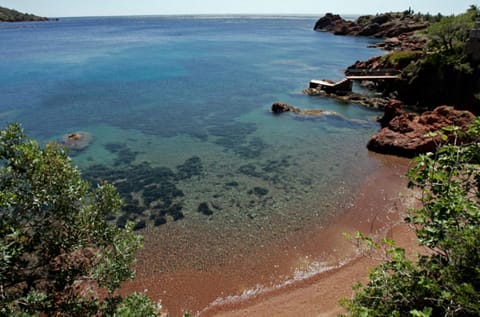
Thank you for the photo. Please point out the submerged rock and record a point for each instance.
(190, 168)
(204, 209)
(352, 97)
(150, 193)
(280, 107)
(259, 191)
(125, 155)
(77, 141)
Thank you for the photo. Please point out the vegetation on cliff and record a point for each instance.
(442, 73)
(381, 25)
(440, 63)
(445, 280)
(9, 15)
(58, 254)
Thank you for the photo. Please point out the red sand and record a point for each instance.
(378, 208)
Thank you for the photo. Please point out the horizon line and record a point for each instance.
(210, 15)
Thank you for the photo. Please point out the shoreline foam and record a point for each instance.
(318, 293)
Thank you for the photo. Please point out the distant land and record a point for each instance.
(9, 15)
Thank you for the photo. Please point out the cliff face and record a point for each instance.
(428, 81)
(9, 15)
(439, 84)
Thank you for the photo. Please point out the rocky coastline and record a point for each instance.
(402, 132)
(396, 29)
(10, 15)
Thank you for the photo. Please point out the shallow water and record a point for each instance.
(179, 110)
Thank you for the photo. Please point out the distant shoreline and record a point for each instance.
(11, 16)
(200, 15)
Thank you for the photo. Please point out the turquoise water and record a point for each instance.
(179, 111)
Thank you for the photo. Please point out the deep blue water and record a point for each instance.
(179, 111)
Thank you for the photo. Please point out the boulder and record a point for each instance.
(393, 109)
(370, 30)
(279, 107)
(329, 22)
(382, 18)
(404, 133)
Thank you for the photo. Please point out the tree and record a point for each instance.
(446, 280)
(59, 255)
(451, 32)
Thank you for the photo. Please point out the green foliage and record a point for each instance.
(407, 14)
(444, 64)
(401, 59)
(136, 305)
(57, 249)
(451, 32)
(446, 280)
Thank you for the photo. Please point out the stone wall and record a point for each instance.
(472, 47)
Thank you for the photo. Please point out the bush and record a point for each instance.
(451, 32)
(401, 59)
(57, 250)
(445, 281)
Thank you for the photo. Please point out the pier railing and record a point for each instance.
(357, 72)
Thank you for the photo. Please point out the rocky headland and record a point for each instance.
(430, 75)
(427, 81)
(396, 29)
(10, 15)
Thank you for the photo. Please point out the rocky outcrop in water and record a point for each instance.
(335, 24)
(395, 28)
(351, 97)
(280, 107)
(403, 134)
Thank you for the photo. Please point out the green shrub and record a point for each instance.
(446, 280)
(57, 249)
(401, 59)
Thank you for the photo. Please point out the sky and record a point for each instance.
(67, 8)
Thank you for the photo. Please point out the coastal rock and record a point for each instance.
(400, 26)
(382, 18)
(330, 22)
(370, 30)
(280, 107)
(351, 97)
(393, 109)
(404, 133)
(77, 141)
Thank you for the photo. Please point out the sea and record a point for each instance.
(178, 109)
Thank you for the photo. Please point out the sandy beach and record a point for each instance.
(317, 296)
(378, 210)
